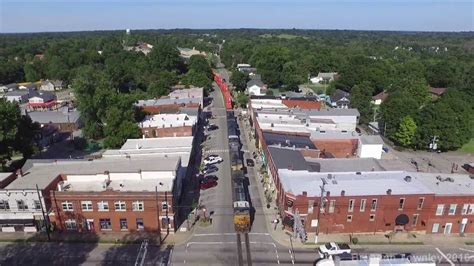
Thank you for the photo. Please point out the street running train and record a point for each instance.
(239, 191)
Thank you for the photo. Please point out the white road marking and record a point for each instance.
(445, 257)
(468, 250)
(216, 234)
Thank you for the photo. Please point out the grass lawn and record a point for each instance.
(468, 147)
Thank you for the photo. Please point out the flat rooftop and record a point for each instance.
(288, 140)
(371, 139)
(347, 164)
(287, 158)
(54, 116)
(376, 183)
(43, 172)
(164, 101)
(311, 112)
(168, 120)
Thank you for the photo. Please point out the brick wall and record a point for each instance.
(339, 148)
(154, 132)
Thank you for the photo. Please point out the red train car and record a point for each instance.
(224, 89)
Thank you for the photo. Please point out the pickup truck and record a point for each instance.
(333, 248)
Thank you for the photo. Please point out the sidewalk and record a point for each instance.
(108, 238)
(285, 238)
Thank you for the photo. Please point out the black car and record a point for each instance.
(210, 169)
(209, 178)
(250, 163)
(212, 127)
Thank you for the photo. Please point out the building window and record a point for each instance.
(471, 209)
(401, 203)
(435, 228)
(415, 219)
(362, 205)
(310, 206)
(420, 203)
(140, 224)
(70, 225)
(22, 206)
(332, 206)
(164, 205)
(120, 206)
(138, 206)
(105, 224)
(372, 217)
(351, 205)
(452, 209)
(349, 218)
(373, 205)
(67, 206)
(465, 208)
(86, 205)
(165, 223)
(103, 205)
(440, 209)
(123, 224)
(4, 205)
(37, 205)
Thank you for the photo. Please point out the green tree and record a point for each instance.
(196, 78)
(16, 132)
(292, 75)
(200, 64)
(164, 56)
(406, 131)
(242, 100)
(239, 80)
(120, 126)
(361, 97)
(269, 60)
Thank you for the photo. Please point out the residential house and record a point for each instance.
(324, 77)
(255, 86)
(186, 53)
(437, 92)
(19, 96)
(168, 125)
(379, 98)
(42, 100)
(27, 86)
(64, 120)
(8, 87)
(340, 99)
(39, 56)
(51, 85)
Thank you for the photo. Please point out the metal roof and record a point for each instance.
(287, 140)
(54, 117)
(285, 158)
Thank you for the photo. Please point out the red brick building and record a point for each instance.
(168, 125)
(370, 202)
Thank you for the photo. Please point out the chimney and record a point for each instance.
(343, 192)
(389, 191)
(328, 193)
(305, 193)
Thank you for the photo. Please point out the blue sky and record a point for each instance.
(74, 15)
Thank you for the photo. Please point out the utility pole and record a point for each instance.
(433, 148)
(321, 205)
(46, 224)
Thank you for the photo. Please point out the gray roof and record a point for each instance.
(339, 94)
(17, 93)
(310, 112)
(43, 172)
(45, 95)
(189, 111)
(347, 164)
(287, 140)
(167, 101)
(257, 82)
(10, 86)
(55, 117)
(371, 139)
(327, 75)
(285, 158)
(376, 183)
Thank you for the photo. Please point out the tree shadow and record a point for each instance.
(63, 249)
(137, 247)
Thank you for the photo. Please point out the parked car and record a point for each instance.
(211, 156)
(211, 169)
(207, 185)
(250, 163)
(333, 248)
(212, 127)
(213, 160)
(208, 178)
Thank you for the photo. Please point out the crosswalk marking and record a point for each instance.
(214, 151)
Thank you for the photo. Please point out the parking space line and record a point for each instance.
(445, 257)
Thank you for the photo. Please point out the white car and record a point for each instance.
(213, 160)
(333, 248)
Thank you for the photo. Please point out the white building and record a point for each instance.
(370, 147)
(168, 120)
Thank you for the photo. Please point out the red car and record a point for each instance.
(209, 184)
